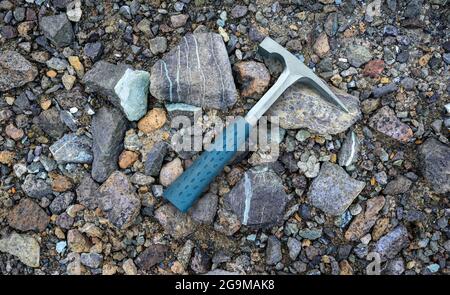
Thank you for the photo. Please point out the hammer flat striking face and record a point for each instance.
(187, 188)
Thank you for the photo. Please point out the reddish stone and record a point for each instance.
(28, 215)
(374, 68)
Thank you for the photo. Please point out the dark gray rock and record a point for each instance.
(155, 158)
(435, 164)
(87, 193)
(204, 210)
(103, 77)
(108, 132)
(384, 90)
(118, 200)
(94, 50)
(301, 106)
(58, 29)
(393, 242)
(273, 251)
(92, 260)
(35, 187)
(15, 70)
(201, 262)
(358, 55)
(333, 190)
(72, 148)
(151, 256)
(61, 202)
(196, 72)
(295, 246)
(397, 186)
(50, 122)
(258, 199)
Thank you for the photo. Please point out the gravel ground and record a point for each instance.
(88, 93)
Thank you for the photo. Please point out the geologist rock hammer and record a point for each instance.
(187, 188)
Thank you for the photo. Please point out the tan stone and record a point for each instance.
(77, 242)
(362, 224)
(60, 183)
(77, 65)
(7, 157)
(129, 267)
(170, 172)
(153, 120)
(321, 46)
(127, 158)
(346, 268)
(14, 132)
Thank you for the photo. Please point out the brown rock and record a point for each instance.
(78, 242)
(346, 268)
(174, 222)
(127, 158)
(386, 122)
(152, 255)
(380, 228)
(253, 77)
(373, 68)
(60, 183)
(170, 172)
(7, 157)
(364, 221)
(28, 215)
(321, 46)
(14, 132)
(154, 120)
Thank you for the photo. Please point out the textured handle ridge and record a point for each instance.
(189, 186)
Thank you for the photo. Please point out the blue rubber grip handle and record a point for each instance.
(190, 185)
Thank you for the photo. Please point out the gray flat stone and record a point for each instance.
(72, 148)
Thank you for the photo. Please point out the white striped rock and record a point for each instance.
(196, 72)
(258, 199)
(349, 150)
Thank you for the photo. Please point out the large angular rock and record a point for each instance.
(132, 90)
(392, 243)
(15, 70)
(152, 255)
(28, 215)
(72, 148)
(364, 221)
(103, 77)
(333, 190)
(358, 55)
(386, 122)
(118, 200)
(175, 223)
(58, 29)
(50, 122)
(35, 187)
(435, 164)
(155, 158)
(24, 247)
(399, 185)
(301, 106)
(87, 193)
(108, 132)
(258, 199)
(205, 209)
(196, 72)
(273, 251)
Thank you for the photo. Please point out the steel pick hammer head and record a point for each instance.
(297, 71)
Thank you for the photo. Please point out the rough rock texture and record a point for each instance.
(392, 243)
(15, 70)
(72, 148)
(28, 215)
(108, 131)
(103, 77)
(301, 106)
(333, 190)
(253, 77)
(349, 150)
(132, 90)
(174, 222)
(386, 122)
(35, 187)
(87, 192)
(118, 200)
(273, 251)
(363, 222)
(25, 247)
(435, 164)
(258, 199)
(50, 122)
(397, 186)
(170, 172)
(195, 72)
(58, 29)
(155, 158)
(151, 256)
(204, 210)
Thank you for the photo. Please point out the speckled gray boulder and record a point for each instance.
(119, 200)
(58, 29)
(333, 190)
(258, 199)
(393, 242)
(196, 72)
(15, 70)
(435, 164)
(72, 148)
(301, 106)
(108, 131)
(35, 187)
